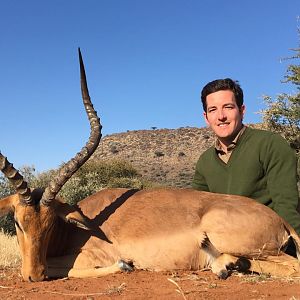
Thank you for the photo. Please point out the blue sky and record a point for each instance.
(146, 62)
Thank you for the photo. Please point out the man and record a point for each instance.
(245, 161)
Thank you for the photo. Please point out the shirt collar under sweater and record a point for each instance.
(225, 156)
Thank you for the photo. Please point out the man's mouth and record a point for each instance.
(223, 124)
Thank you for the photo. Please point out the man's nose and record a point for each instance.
(221, 115)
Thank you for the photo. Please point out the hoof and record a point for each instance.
(125, 266)
(242, 264)
(223, 274)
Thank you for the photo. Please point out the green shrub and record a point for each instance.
(125, 182)
(96, 175)
(90, 178)
(42, 179)
(7, 224)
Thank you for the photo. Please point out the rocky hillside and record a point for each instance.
(166, 156)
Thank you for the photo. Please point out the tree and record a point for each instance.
(282, 115)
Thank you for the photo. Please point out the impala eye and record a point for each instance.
(17, 224)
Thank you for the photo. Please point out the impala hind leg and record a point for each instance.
(224, 264)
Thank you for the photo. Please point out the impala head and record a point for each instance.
(35, 211)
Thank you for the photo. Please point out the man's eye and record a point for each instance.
(229, 107)
(211, 110)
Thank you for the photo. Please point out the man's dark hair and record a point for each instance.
(223, 84)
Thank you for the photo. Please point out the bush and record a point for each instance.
(125, 182)
(7, 224)
(42, 179)
(95, 175)
(6, 188)
(159, 153)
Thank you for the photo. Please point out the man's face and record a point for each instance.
(223, 115)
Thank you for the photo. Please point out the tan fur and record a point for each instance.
(159, 229)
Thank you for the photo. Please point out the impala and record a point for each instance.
(155, 229)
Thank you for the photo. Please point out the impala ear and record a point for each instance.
(70, 215)
(7, 204)
(78, 222)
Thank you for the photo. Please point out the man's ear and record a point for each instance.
(205, 118)
(242, 111)
(70, 215)
(7, 204)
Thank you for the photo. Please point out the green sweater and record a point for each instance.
(262, 166)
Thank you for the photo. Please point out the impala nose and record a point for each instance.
(34, 276)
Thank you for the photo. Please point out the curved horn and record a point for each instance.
(68, 169)
(16, 179)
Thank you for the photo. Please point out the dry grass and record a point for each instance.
(179, 289)
(9, 251)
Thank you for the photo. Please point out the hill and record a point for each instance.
(165, 156)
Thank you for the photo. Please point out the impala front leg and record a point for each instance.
(89, 272)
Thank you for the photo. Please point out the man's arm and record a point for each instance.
(199, 182)
(281, 170)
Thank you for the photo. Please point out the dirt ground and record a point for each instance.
(150, 285)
